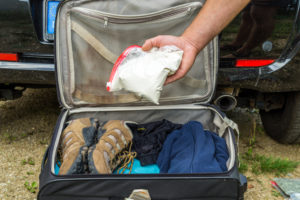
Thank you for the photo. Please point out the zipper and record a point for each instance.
(174, 12)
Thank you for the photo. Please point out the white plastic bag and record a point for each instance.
(144, 73)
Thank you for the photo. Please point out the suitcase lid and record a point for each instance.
(91, 34)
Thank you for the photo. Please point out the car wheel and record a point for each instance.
(283, 124)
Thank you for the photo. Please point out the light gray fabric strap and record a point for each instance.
(224, 125)
(71, 59)
(94, 42)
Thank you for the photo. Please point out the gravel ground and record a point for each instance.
(259, 187)
(26, 126)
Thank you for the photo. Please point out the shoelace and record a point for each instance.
(128, 157)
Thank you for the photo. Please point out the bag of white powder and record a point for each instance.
(144, 73)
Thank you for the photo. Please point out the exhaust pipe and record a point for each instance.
(226, 102)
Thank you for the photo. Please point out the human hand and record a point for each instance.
(190, 52)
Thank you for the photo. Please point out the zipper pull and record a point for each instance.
(105, 22)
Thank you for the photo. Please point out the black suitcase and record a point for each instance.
(89, 35)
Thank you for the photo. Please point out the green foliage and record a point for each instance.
(263, 164)
(249, 154)
(260, 129)
(255, 168)
(29, 161)
(30, 173)
(23, 162)
(276, 165)
(243, 166)
(252, 141)
(31, 187)
(276, 193)
(44, 141)
(9, 137)
(24, 135)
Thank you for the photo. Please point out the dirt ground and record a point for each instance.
(26, 126)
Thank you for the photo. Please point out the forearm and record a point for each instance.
(213, 17)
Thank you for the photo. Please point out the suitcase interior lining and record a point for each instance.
(94, 33)
(205, 115)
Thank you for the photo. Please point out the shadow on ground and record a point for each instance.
(35, 113)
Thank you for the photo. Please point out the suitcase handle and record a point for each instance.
(44, 158)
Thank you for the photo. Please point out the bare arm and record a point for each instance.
(213, 17)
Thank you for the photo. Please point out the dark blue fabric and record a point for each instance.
(148, 139)
(193, 150)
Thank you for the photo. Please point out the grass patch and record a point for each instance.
(44, 141)
(243, 166)
(276, 165)
(29, 161)
(276, 193)
(267, 164)
(31, 187)
(261, 163)
(30, 173)
(9, 138)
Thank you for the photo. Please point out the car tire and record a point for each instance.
(283, 125)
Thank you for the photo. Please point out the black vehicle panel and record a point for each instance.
(280, 76)
(17, 32)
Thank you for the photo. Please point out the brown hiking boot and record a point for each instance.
(114, 137)
(76, 138)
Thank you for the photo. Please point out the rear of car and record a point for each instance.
(267, 78)
(26, 55)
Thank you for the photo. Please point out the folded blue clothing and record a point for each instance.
(137, 168)
(193, 150)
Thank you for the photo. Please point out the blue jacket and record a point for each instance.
(193, 150)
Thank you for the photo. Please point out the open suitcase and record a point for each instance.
(89, 36)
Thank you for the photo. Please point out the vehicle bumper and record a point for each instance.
(27, 73)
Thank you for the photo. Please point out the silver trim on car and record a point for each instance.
(27, 66)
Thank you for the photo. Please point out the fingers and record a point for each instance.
(188, 58)
(186, 64)
(180, 73)
(152, 42)
(174, 77)
(147, 45)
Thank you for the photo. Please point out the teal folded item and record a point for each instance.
(137, 168)
(56, 168)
